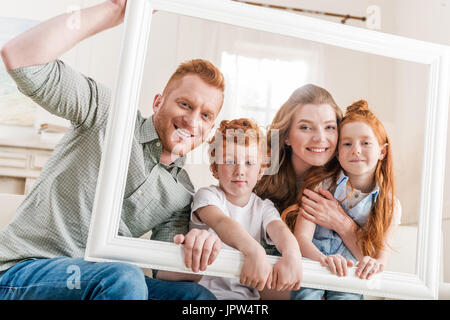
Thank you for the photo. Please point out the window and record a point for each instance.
(258, 86)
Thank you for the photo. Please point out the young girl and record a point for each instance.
(364, 186)
(241, 219)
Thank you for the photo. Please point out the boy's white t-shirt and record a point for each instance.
(254, 217)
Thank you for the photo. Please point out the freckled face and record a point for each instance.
(184, 117)
(313, 135)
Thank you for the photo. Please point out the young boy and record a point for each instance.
(240, 218)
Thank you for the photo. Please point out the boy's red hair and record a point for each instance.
(238, 131)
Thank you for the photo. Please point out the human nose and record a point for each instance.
(356, 148)
(319, 135)
(190, 121)
(239, 169)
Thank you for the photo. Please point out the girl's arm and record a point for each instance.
(368, 266)
(323, 209)
(287, 272)
(384, 254)
(304, 232)
(256, 270)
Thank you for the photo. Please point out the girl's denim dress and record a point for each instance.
(357, 206)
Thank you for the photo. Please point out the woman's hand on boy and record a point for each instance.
(287, 273)
(256, 271)
(367, 267)
(337, 264)
(201, 248)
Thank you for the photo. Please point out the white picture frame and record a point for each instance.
(105, 245)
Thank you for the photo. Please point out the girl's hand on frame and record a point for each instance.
(367, 267)
(337, 264)
(287, 273)
(256, 271)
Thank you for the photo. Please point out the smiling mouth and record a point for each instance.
(317, 150)
(183, 132)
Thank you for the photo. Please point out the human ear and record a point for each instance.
(157, 102)
(383, 152)
(214, 171)
(261, 173)
(287, 142)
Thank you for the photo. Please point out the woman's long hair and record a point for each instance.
(370, 236)
(313, 178)
(280, 188)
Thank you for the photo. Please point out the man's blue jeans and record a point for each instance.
(74, 279)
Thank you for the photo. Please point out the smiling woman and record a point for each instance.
(307, 127)
(312, 136)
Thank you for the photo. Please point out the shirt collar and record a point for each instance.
(343, 178)
(147, 131)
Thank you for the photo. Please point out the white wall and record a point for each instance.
(85, 56)
(429, 21)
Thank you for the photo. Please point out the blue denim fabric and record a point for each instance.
(65, 278)
(328, 241)
(317, 294)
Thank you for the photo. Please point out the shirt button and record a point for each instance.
(158, 144)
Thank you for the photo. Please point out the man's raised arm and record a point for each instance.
(52, 38)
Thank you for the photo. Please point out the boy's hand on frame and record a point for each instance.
(201, 248)
(256, 271)
(287, 273)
